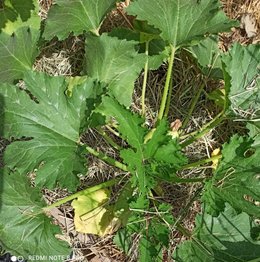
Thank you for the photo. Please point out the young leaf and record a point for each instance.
(115, 62)
(161, 150)
(182, 22)
(227, 237)
(243, 86)
(236, 180)
(24, 230)
(15, 14)
(164, 150)
(129, 126)
(77, 16)
(52, 121)
(17, 53)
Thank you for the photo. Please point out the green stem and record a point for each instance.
(201, 162)
(107, 159)
(112, 131)
(107, 138)
(145, 78)
(204, 130)
(193, 104)
(82, 192)
(183, 230)
(168, 103)
(167, 84)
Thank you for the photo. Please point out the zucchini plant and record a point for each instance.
(46, 118)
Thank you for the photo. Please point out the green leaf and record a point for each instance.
(154, 230)
(157, 139)
(147, 32)
(164, 150)
(158, 53)
(24, 230)
(182, 22)
(141, 179)
(226, 238)
(15, 14)
(115, 62)
(77, 16)
(157, 50)
(123, 240)
(218, 96)
(121, 206)
(208, 55)
(243, 86)
(53, 122)
(17, 53)
(236, 179)
(145, 160)
(129, 126)
(170, 153)
(254, 132)
(147, 251)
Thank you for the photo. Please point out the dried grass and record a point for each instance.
(235, 9)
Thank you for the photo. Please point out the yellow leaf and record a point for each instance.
(92, 216)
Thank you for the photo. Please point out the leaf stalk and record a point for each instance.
(145, 77)
(107, 159)
(201, 162)
(193, 104)
(204, 130)
(86, 191)
(167, 84)
(107, 138)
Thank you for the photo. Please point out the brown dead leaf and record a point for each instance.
(249, 23)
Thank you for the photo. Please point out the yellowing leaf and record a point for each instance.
(215, 162)
(90, 214)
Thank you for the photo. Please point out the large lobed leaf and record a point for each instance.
(243, 86)
(20, 30)
(236, 179)
(254, 132)
(15, 14)
(24, 230)
(115, 62)
(77, 16)
(53, 121)
(230, 237)
(182, 22)
(157, 50)
(208, 55)
(17, 53)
